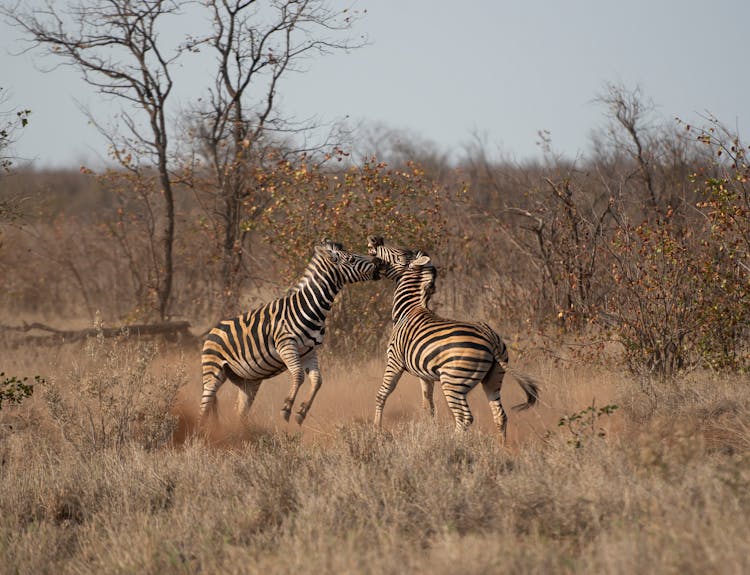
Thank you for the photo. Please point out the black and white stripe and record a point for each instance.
(458, 354)
(282, 334)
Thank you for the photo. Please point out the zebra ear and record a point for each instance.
(330, 251)
(325, 242)
(421, 260)
(375, 241)
(324, 251)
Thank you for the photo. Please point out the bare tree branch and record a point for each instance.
(115, 45)
(256, 46)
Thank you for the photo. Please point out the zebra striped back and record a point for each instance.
(458, 354)
(282, 334)
(433, 346)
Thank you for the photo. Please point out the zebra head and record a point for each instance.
(396, 260)
(350, 266)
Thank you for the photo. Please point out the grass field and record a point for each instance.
(101, 473)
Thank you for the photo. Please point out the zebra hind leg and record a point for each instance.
(455, 396)
(245, 396)
(393, 372)
(492, 383)
(212, 381)
(428, 402)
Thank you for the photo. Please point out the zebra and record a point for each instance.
(457, 354)
(282, 334)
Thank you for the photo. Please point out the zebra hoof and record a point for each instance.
(285, 413)
(302, 413)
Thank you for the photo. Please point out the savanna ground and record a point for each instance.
(101, 474)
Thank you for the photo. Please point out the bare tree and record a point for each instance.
(256, 44)
(115, 45)
(629, 132)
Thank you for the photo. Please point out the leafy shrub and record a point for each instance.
(725, 257)
(653, 302)
(584, 425)
(681, 296)
(14, 390)
(309, 202)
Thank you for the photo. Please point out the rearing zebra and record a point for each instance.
(282, 334)
(458, 354)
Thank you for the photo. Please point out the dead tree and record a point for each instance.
(629, 133)
(115, 45)
(10, 121)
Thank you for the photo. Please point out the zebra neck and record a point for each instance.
(318, 296)
(319, 271)
(315, 292)
(406, 298)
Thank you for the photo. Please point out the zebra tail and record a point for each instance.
(528, 383)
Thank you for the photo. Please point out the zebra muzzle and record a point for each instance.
(380, 267)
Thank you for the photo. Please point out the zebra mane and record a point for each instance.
(325, 249)
(424, 266)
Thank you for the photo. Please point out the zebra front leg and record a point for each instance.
(311, 367)
(246, 393)
(213, 378)
(393, 372)
(428, 402)
(290, 355)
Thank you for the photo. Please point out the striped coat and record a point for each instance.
(282, 334)
(460, 355)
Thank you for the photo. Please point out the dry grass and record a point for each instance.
(666, 490)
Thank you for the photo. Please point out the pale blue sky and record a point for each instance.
(444, 70)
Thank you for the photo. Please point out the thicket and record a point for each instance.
(645, 242)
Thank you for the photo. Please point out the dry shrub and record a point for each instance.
(704, 408)
(111, 397)
(649, 496)
(419, 498)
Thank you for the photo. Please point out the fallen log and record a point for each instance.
(169, 329)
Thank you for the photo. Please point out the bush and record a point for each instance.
(725, 254)
(115, 399)
(653, 304)
(682, 297)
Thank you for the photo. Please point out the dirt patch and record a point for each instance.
(348, 395)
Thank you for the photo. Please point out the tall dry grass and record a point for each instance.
(665, 489)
